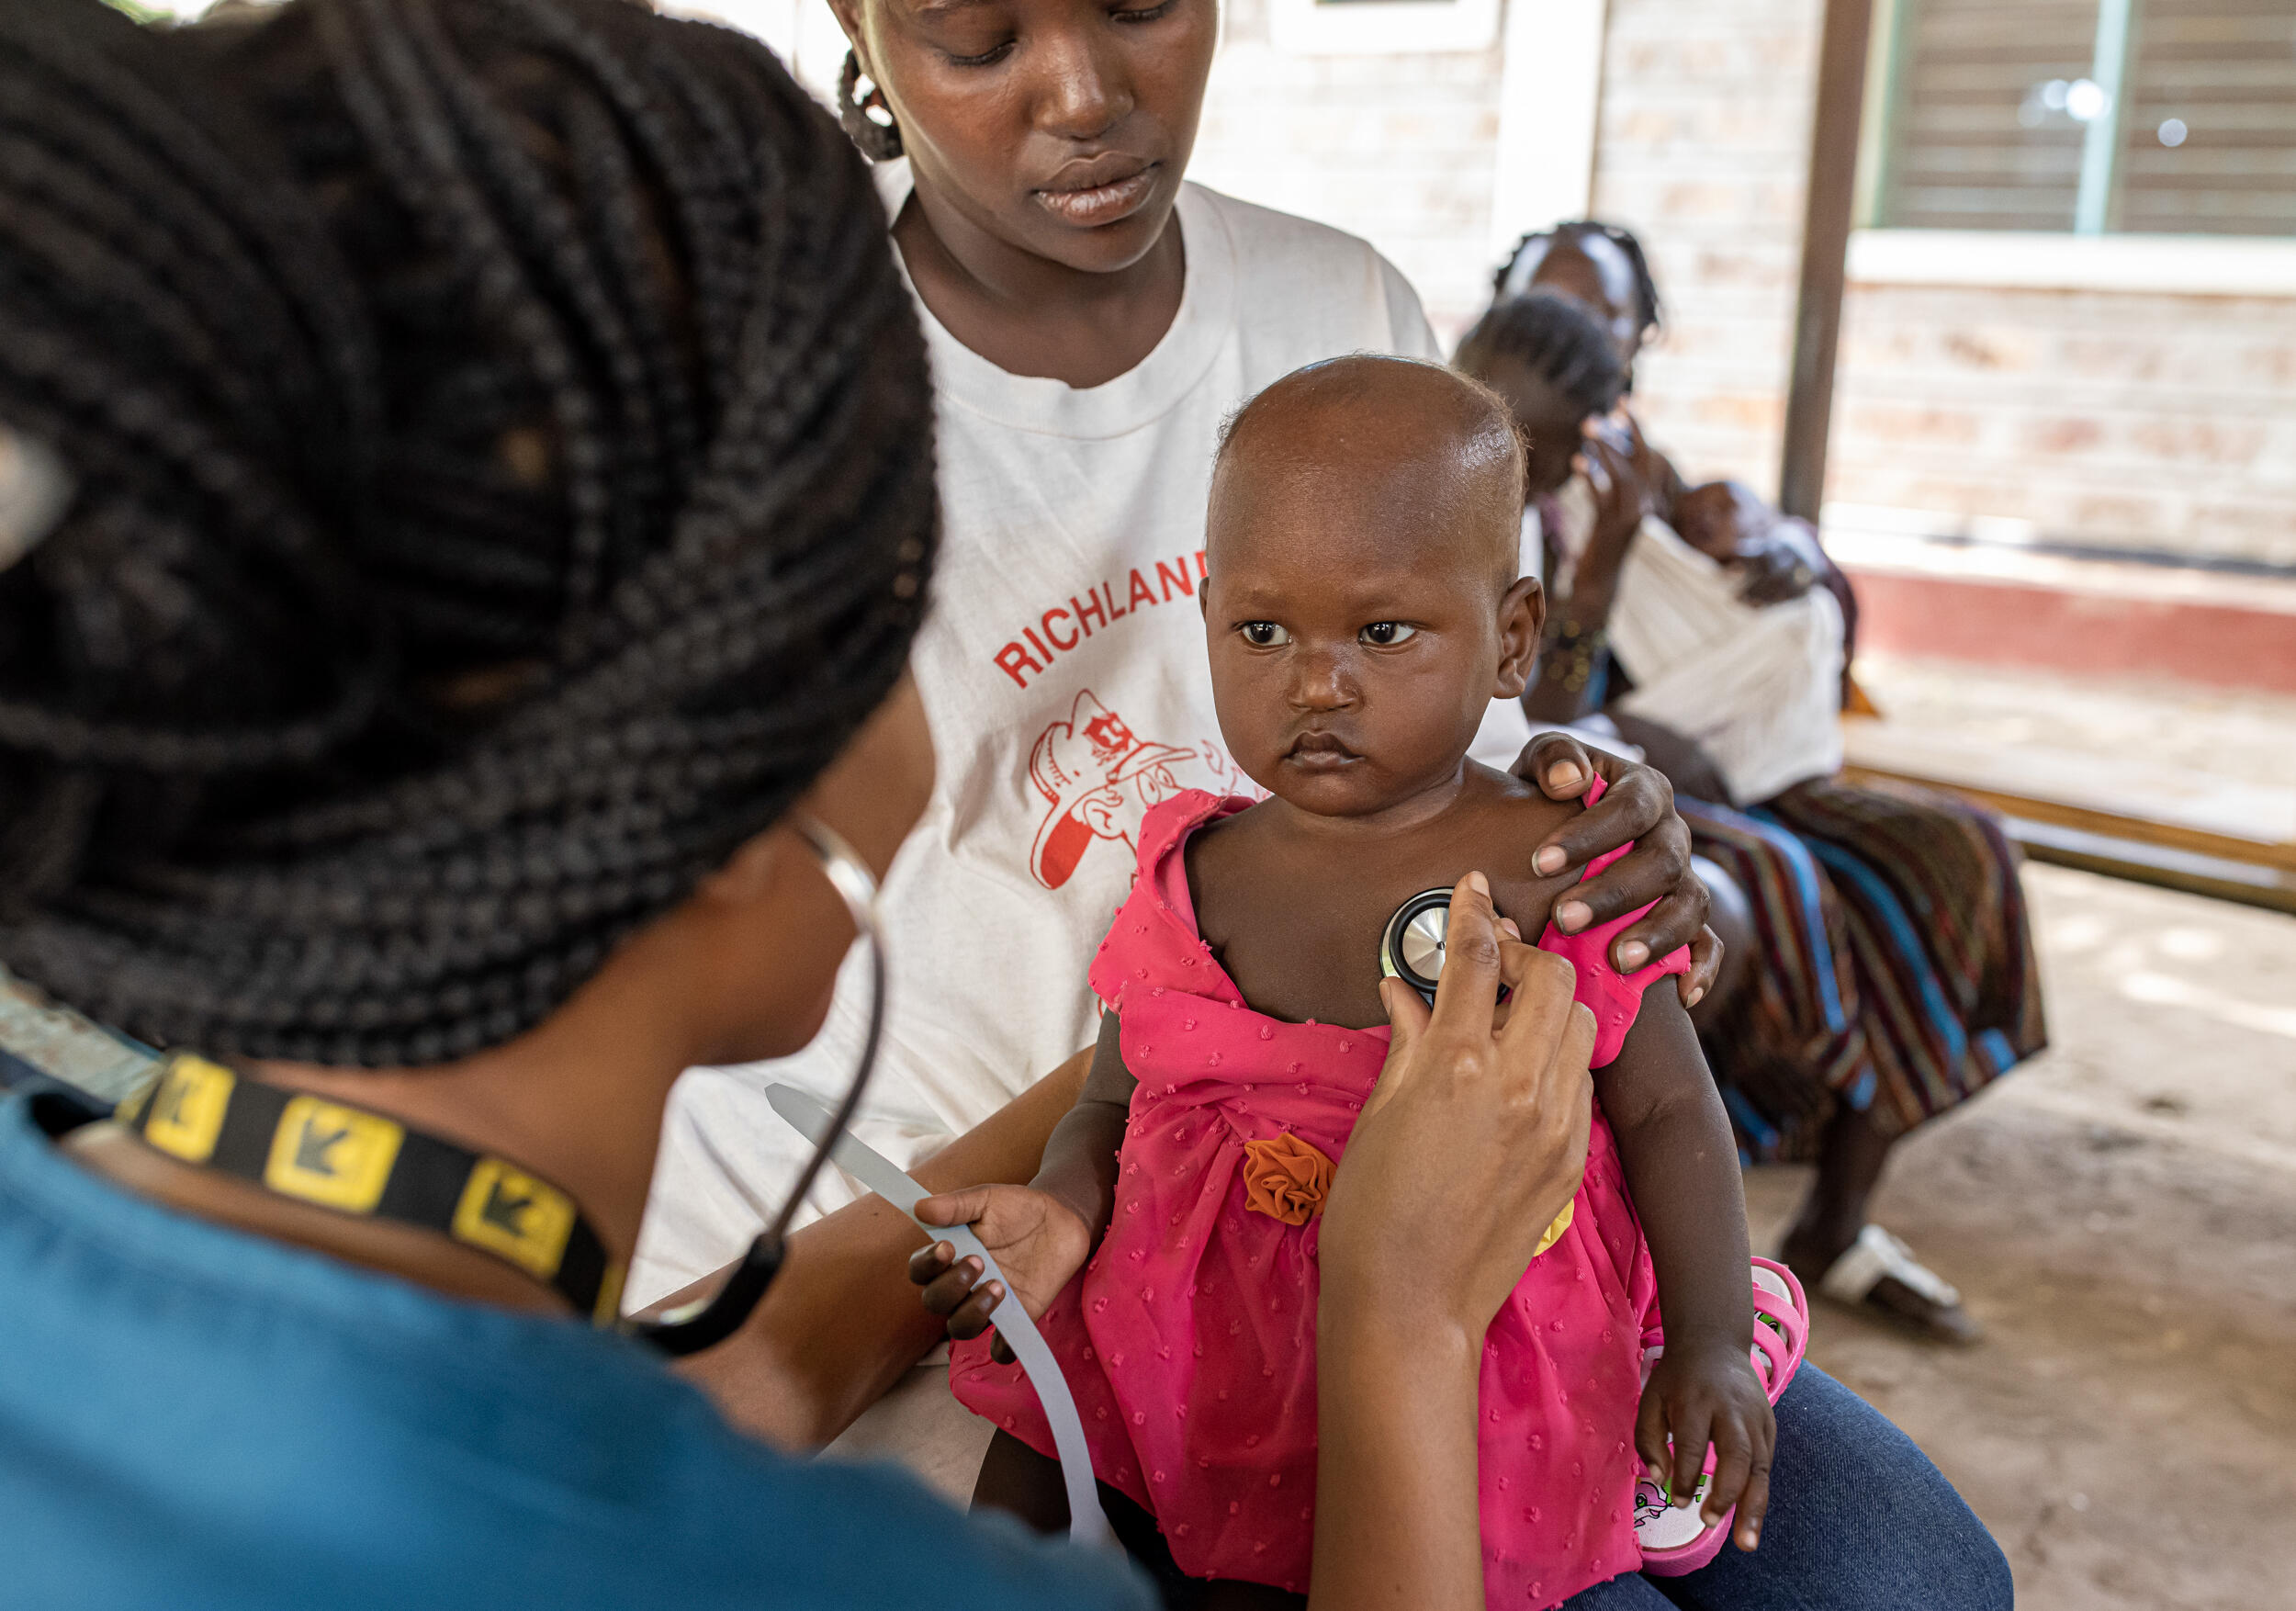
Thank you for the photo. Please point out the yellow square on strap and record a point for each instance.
(337, 1157)
(508, 1211)
(1556, 1226)
(187, 1108)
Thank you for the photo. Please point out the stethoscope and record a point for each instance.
(1412, 949)
(706, 1322)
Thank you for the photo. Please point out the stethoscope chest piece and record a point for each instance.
(1411, 950)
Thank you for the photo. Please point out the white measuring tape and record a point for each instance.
(1087, 1523)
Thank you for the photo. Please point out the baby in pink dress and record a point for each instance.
(1362, 608)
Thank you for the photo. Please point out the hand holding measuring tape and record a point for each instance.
(1087, 1523)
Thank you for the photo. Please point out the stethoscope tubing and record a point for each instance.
(709, 1322)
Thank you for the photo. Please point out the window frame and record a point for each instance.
(2026, 256)
(2059, 260)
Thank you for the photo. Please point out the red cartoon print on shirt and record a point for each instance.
(1098, 779)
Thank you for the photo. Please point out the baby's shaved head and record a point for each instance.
(1398, 431)
(1360, 600)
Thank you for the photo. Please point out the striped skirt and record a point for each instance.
(1898, 971)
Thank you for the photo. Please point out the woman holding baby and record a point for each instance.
(1091, 321)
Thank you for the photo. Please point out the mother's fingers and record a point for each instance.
(1558, 764)
(1679, 919)
(1638, 802)
(1705, 966)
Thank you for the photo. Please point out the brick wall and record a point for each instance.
(2143, 419)
(1702, 152)
(1400, 150)
(2112, 417)
(1702, 147)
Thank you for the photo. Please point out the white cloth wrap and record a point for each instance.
(1759, 687)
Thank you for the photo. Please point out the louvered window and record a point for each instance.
(2090, 116)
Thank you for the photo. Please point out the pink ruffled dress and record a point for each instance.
(1189, 1338)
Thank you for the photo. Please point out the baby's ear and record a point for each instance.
(1522, 623)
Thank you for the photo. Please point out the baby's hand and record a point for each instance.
(1037, 1240)
(1703, 1392)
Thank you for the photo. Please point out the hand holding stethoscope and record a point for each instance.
(1475, 1138)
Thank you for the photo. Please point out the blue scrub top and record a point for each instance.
(194, 1417)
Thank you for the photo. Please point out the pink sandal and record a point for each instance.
(1676, 1539)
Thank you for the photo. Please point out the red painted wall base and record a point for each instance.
(2008, 623)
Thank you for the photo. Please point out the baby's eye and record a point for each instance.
(1265, 635)
(1388, 634)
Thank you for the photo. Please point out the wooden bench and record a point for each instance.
(2212, 836)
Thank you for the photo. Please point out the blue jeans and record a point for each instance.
(1859, 1520)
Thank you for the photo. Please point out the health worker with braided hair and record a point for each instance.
(466, 504)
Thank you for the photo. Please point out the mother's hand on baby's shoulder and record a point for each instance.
(1474, 1139)
(1637, 804)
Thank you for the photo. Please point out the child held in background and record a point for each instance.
(1363, 608)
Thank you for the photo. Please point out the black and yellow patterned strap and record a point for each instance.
(329, 1154)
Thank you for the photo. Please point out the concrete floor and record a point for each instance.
(2121, 1215)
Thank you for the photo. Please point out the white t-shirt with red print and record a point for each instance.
(1067, 683)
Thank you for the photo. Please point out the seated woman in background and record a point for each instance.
(1775, 556)
(1896, 975)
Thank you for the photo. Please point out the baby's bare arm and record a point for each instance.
(1042, 1232)
(1681, 1169)
(1080, 1166)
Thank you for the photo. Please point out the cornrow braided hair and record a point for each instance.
(1558, 341)
(1514, 278)
(501, 479)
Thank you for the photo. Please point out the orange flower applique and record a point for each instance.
(1286, 1178)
